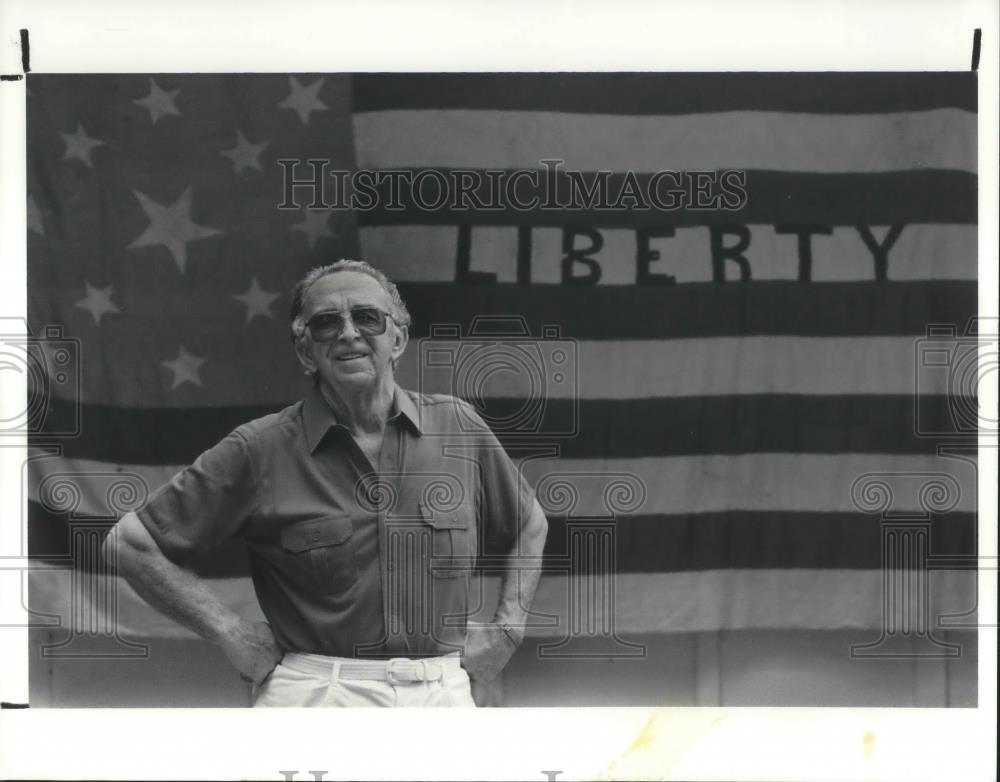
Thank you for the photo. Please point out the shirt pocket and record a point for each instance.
(321, 551)
(452, 539)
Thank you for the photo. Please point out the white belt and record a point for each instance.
(398, 670)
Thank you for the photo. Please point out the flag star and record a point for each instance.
(257, 301)
(314, 226)
(304, 100)
(171, 226)
(97, 302)
(79, 145)
(159, 102)
(35, 217)
(184, 368)
(245, 154)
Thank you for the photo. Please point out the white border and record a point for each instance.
(186, 36)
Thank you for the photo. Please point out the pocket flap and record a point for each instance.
(456, 518)
(313, 533)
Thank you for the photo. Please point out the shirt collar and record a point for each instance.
(318, 417)
(403, 405)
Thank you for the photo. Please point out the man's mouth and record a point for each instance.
(350, 356)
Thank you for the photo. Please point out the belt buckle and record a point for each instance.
(393, 678)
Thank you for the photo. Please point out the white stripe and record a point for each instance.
(427, 253)
(775, 141)
(752, 482)
(631, 369)
(752, 599)
(644, 602)
(669, 485)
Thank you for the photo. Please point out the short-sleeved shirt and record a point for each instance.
(348, 560)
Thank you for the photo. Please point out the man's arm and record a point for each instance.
(490, 646)
(184, 597)
(524, 569)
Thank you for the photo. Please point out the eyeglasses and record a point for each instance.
(370, 321)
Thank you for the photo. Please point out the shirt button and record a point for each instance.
(315, 536)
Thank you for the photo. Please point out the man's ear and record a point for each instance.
(303, 351)
(401, 338)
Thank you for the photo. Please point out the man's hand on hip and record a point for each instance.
(487, 650)
(251, 648)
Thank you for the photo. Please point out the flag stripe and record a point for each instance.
(232, 374)
(707, 600)
(924, 195)
(694, 601)
(771, 141)
(585, 428)
(718, 366)
(710, 367)
(665, 485)
(654, 544)
(775, 308)
(427, 253)
(666, 93)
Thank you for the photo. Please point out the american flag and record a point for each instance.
(744, 398)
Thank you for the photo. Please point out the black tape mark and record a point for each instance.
(5, 705)
(977, 38)
(25, 59)
(25, 51)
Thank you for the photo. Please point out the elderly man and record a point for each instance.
(363, 508)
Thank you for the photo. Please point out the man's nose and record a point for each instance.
(347, 329)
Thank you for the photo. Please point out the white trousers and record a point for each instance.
(314, 680)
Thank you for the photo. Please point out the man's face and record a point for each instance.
(351, 358)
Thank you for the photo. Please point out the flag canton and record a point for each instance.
(155, 235)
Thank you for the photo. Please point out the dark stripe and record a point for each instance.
(844, 309)
(757, 540)
(649, 544)
(682, 311)
(50, 539)
(666, 93)
(682, 426)
(913, 196)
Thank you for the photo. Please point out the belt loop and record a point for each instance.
(335, 675)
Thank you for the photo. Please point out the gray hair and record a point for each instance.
(399, 312)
